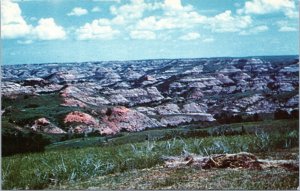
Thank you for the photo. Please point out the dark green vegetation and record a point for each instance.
(21, 112)
(115, 163)
(24, 109)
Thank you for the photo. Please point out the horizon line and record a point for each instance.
(134, 60)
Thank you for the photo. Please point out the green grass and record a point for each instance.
(281, 126)
(60, 167)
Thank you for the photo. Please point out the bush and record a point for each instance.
(295, 114)
(19, 142)
(281, 114)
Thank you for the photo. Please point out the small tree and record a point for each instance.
(256, 117)
(281, 114)
(295, 114)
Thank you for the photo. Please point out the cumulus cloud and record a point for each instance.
(143, 35)
(177, 16)
(174, 15)
(134, 10)
(190, 36)
(174, 7)
(96, 30)
(287, 29)
(130, 18)
(285, 26)
(78, 11)
(116, 1)
(226, 22)
(96, 9)
(25, 41)
(255, 30)
(47, 29)
(288, 7)
(208, 40)
(182, 20)
(13, 24)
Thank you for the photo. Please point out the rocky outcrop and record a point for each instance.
(194, 108)
(167, 109)
(70, 102)
(157, 92)
(44, 125)
(71, 93)
(11, 89)
(293, 102)
(140, 96)
(35, 82)
(118, 119)
(60, 77)
(177, 119)
(195, 93)
(77, 117)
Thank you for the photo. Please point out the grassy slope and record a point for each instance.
(62, 168)
(25, 109)
(281, 126)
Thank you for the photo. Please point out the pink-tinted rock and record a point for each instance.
(195, 93)
(122, 118)
(70, 102)
(80, 117)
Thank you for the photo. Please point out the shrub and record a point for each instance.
(281, 114)
(19, 142)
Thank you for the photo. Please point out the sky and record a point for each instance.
(44, 31)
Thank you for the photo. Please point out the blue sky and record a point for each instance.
(42, 31)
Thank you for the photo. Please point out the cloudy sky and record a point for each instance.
(39, 31)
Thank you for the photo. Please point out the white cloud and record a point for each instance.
(13, 24)
(47, 29)
(144, 35)
(208, 40)
(261, 28)
(78, 11)
(285, 26)
(24, 41)
(134, 10)
(154, 23)
(96, 9)
(33, 19)
(174, 16)
(190, 36)
(255, 30)
(287, 29)
(96, 30)
(288, 7)
(174, 7)
(226, 22)
(182, 20)
(116, 1)
(173, 4)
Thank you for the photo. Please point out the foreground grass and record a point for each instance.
(60, 167)
(188, 178)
